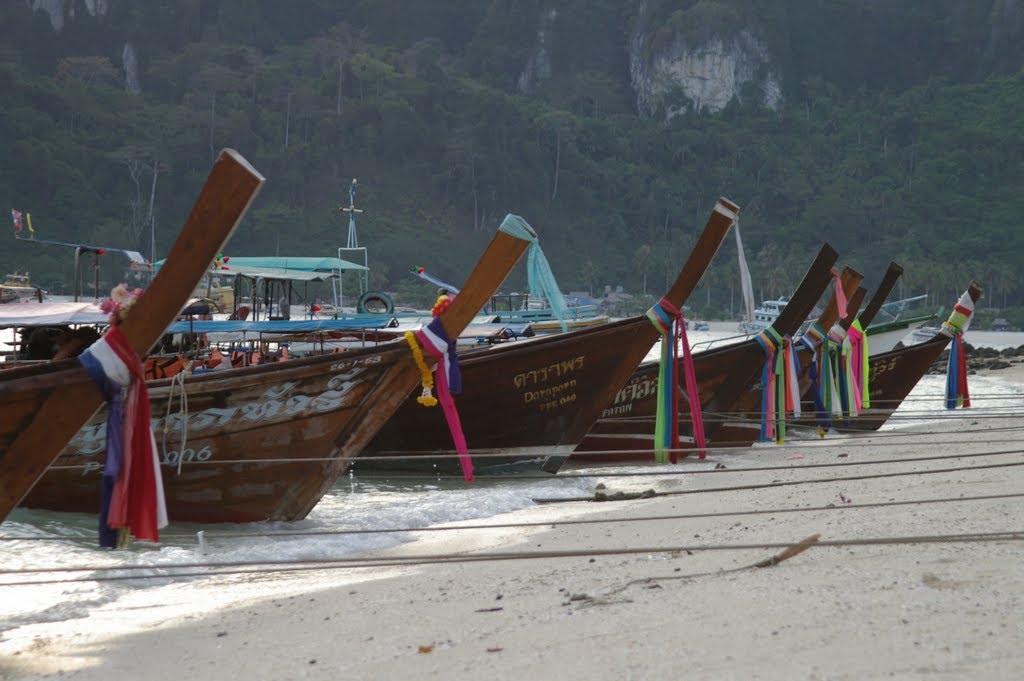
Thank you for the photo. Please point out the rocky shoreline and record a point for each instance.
(982, 359)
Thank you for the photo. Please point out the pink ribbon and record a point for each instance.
(444, 397)
(840, 293)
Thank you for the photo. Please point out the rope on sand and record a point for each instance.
(263, 567)
(189, 539)
(773, 484)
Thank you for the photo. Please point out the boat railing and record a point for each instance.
(718, 342)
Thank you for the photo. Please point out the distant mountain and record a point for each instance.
(890, 129)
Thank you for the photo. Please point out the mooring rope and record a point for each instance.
(306, 564)
(184, 540)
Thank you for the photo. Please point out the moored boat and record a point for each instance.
(45, 405)
(266, 442)
(625, 431)
(528, 404)
(894, 374)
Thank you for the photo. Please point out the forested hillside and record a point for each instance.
(892, 130)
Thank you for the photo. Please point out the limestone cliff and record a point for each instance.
(63, 10)
(682, 74)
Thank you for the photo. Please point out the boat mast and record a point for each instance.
(351, 245)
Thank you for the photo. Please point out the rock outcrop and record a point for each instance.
(681, 75)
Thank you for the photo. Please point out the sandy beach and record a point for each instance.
(656, 588)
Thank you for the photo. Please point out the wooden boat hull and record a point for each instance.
(260, 443)
(528, 404)
(266, 442)
(624, 432)
(726, 378)
(524, 404)
(892, 376)
(51, 402)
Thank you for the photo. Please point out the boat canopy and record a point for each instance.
(283, 326)
(284, 267)
(50, 314)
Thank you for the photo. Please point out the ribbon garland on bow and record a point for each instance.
(779, 384)
(132, 493)
(669, 321)
(813, 340)
(448, 380)
(957, 393)
(859, 354)
(839, 293)
(842, 399)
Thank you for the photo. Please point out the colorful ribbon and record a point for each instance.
(860, 364)
(813, 340)
(839, 293)
(672, 325)
(132, 494)
(957, 393)
(778, 384)
(841, 387)
(448, 379)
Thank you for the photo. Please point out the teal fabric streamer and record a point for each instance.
(541, 280)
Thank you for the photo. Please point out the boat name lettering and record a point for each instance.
(556, 403)
(188, 455)
(352, 363)
(619, 410)
(882, 366)
(637, 389)
(553, 392)
(556, 370)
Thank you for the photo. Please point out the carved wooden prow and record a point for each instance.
(892, 275)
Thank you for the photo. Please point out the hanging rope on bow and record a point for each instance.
(957, 394)
(448, 379)
(672, 325)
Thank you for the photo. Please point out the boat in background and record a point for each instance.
(545, 309)
(764, 315)
(17, 288)
(899, 325)
(537, 312)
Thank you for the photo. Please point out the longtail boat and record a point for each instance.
(741, 423)
(814, 410)
(893, 374)
(625, 431)
(266, 442)
(528, 404)
(44, 406)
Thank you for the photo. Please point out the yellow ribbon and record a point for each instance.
(427, 398)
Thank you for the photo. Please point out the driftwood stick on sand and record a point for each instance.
(793, 550)
(785, 554)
